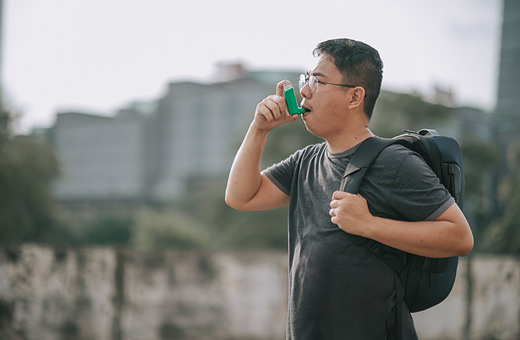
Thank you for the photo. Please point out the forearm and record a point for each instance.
(449, 235)
(245, 178)
(247, 188)
(443, 237)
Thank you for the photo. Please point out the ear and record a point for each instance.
(357, 97)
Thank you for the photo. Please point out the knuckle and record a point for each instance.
(279, 100)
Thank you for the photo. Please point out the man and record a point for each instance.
(339, 290)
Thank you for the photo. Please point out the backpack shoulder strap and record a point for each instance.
(364, 156)
(362, 159)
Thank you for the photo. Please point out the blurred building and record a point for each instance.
(148, 153)
(101, 157)
(506, 125)
(508, 98)
(1, 39)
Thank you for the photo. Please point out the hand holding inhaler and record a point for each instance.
(290, 100)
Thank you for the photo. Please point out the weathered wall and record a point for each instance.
(105, 293)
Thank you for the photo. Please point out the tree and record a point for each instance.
(481, 158)
(27, 168)
(396, 111)
(109, 230)
(166, 227)
(503, 234)
(6, 118)
(247, 229)
(27, 209)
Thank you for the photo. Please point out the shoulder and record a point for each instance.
(402, 164)
(401, 179)
(298, 157)
(283, 173)
(314, 149)
(396, 152)
(310, 152)
(396, 155)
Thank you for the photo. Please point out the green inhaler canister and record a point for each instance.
(290, 100)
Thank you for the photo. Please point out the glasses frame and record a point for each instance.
(306, 79)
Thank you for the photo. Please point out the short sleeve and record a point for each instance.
(281, 174)
(417, 192)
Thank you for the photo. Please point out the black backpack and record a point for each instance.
(426, 281)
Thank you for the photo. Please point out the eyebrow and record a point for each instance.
(317, 74)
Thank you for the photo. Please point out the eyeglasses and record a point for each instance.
(313, 83)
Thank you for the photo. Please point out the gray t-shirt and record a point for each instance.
(339, 290)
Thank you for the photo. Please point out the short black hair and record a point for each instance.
(360, 65)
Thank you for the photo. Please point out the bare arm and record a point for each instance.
(449, 235)
(247, 187)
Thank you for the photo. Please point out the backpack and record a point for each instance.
(426, 281)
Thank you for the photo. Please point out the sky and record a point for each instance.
(98, 56)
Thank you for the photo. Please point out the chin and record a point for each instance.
(311, 129)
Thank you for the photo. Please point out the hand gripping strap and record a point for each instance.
(362, 159)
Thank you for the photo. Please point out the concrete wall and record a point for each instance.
(105, 293)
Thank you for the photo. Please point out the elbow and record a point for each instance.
(233, 203)
(229, 201)
(471, 242)
(465, 244)
(462, 236)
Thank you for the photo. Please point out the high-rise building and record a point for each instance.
(508, 97)
(507, 112)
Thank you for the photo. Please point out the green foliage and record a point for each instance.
(503, 235)
(251, 229)
(229, 228)
(161, 228)
(109, 230)
(480, 158)
(27, 209)
(6, 119)
(395, 112)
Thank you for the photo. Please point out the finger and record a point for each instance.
(291, 118)
(274, 107)
(280, 101)
(332, 212)
(337, 195)
(263, 110)
(279, 87)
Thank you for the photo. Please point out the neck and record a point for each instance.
(348, 139)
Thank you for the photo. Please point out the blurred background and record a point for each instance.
(119, 122)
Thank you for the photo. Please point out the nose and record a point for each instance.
(305, 92)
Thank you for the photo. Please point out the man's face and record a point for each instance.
(325, 108)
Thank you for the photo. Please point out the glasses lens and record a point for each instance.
(301, 81)
(313, 83)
